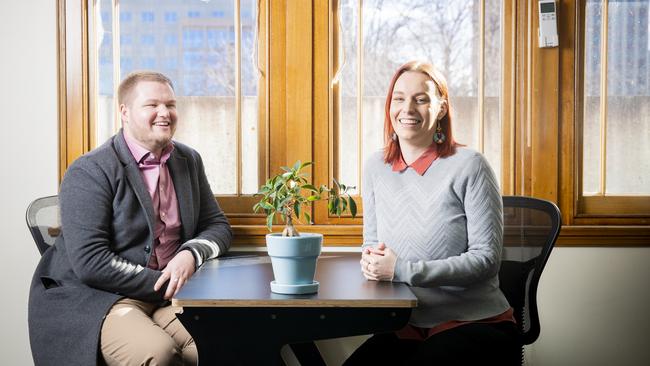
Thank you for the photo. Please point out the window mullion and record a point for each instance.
(359, 93)
(602, 188)
(238, 97)
(116, 59)
(481, 79)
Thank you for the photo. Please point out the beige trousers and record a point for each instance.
(139, 333)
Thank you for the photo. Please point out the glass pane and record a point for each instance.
(249, 82)
(348, 141)
(442, 32)
(591, 118)
(628, 98)
(377, 72)
(193, 43)
(492, 87)
(104, 57)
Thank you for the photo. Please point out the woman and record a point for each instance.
(433, 219)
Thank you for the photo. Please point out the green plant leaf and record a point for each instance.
(296, 166)
(296, 209)
(269, 221)
(287, 192)
(266, 205)
(353, 207)
(310, 187)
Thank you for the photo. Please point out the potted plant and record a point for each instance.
(293, 254)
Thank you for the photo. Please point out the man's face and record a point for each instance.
(149, 115)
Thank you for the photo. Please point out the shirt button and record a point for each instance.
(147, 249)
(162, 214)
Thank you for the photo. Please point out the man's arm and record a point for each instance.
(214, 234)
(86, 201)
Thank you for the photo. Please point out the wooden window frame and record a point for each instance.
(541, 128)
(76, 114)
(599, 206)
(587, 220)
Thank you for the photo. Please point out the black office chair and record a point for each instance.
(43, 221)
(531, 227)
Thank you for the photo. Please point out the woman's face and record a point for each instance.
(414, 108)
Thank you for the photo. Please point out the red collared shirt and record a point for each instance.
(420, 334)
(421, 164)
(160, 186)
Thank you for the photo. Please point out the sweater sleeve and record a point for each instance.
(484, 214)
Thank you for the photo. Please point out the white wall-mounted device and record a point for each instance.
(547, 24)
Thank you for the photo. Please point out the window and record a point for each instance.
(147, 16)
(252, 102)
(458, 37)
(171, 17)
(125, 17)
(193, 38)
(616, 108)
(462, 38)
(214, 73)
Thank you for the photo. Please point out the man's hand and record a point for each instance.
(177, 272)
(378, 263)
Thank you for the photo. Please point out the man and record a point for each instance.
(138, 217)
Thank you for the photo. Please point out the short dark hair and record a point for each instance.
(131, 80)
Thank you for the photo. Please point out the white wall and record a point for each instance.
(28, 150)
(594, 308)
(593, 301)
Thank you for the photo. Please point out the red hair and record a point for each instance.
(392, 150)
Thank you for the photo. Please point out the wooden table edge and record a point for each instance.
(296, 303)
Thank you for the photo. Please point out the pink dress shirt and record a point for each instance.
(155, 175)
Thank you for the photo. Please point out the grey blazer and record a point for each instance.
(106, 242)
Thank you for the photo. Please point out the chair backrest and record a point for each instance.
(531, 227)
(43, 221)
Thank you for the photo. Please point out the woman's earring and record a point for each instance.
(439, 137)
(393, 136)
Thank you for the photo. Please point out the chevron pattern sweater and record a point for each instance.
(446, 227)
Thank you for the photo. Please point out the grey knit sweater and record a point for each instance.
(447, 230)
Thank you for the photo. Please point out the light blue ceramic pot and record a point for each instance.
(294, 258)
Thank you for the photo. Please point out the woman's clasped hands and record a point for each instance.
(378, 262)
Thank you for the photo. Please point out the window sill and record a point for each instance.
(570, 236)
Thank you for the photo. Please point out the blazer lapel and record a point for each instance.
(134, 177)
(180, 174)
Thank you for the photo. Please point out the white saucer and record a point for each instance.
(308, 288)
